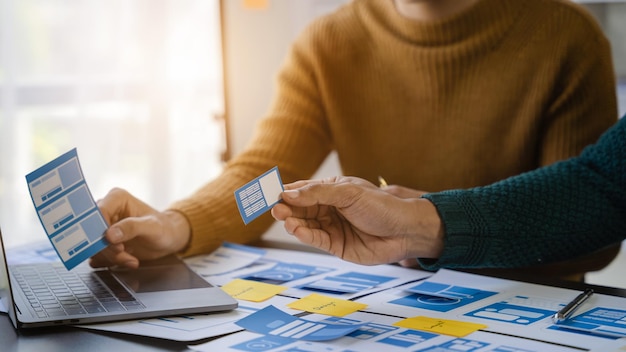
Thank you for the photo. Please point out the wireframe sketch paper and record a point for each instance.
(259, 195)
(67, 210)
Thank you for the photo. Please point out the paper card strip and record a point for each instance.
(259, 195)
(252, 290)
(67, 210)
(321, 304)
(440, 326)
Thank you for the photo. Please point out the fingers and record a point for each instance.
(114, 255)
(308, 232)
(304, 183)
(281, 211)
(109, 257)
(129, 228)
(409, 263)
(119, 204)
(120, 235)
(112, 206)
(333, 194)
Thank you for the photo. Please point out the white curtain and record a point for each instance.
(135, 85)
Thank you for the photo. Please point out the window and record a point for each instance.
(134, 85)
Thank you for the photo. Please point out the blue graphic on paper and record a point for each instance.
(259, 195)
(365, 332)
(66, 209)
(608, 322)
(408, 338)
(441, 297)
(456, 345)
(283, 272)
(273, 321)
(351, 282)
(262, 343)
(517, 310)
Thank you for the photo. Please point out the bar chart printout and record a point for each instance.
(67, 210)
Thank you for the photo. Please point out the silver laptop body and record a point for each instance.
(46, 294)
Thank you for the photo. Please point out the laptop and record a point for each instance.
(47, 294)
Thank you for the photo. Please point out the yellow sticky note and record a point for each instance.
(440, 326)
(253, 291)
(320, 304)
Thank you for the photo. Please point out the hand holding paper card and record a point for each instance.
(67, 210)
(259, 195)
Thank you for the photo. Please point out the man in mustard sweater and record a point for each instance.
(432, 94)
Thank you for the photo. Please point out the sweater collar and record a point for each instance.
(484, 22)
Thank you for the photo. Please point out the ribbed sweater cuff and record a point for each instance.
(462, 247)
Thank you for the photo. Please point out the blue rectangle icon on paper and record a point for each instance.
(67, 210)
(259, 195)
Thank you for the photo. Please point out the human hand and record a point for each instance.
(137, 231)
(403, 192)
(358, 222)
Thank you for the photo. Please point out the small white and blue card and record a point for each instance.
(67, 210)
(259, 195)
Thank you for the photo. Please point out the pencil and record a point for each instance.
(381, 182)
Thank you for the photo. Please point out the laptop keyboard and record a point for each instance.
(53, 291)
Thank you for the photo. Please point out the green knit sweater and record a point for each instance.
(554, 213)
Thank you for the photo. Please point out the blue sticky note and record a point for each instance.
(67, 210)
(259, 195)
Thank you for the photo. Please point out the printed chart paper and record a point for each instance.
(273, 321)
(67, 210)
(603, 321)
(259, 195)
(379, 333)
(228, 257)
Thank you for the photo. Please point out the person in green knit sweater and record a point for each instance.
(554, 213)
(432, 94)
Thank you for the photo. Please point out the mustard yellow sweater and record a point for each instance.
(502, 88)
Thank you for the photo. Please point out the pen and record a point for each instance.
(567, 311)
(381, 182)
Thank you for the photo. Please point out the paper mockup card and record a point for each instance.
(67, 210)
(259, 195)
(274, 322)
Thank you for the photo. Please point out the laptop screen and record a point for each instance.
(6, 295)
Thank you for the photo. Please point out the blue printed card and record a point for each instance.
(259, 195)
(67, 210)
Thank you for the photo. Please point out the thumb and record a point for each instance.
(114, 235)
(337, 195)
